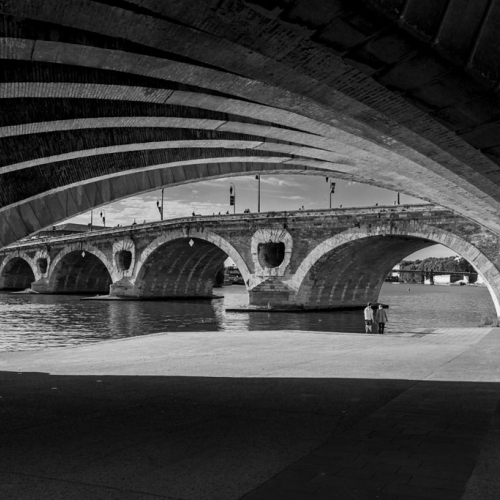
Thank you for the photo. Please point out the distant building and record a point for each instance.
(395, 271)
(448, 279)
(440, 279)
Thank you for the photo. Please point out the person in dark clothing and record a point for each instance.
(381, 318)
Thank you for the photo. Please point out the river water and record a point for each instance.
(33, 322)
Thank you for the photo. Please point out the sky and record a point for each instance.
(278, 193)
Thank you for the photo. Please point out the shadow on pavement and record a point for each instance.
(196, 438)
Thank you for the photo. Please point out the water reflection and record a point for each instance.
(39, 321)
(340, 321)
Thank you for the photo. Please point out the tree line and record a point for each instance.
(433, 264)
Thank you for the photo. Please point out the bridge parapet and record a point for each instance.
(340, 214)
(302, 259)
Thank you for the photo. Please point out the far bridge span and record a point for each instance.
(317, 259)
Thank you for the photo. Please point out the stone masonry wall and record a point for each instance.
(331, 259)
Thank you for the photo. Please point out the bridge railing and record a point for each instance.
(435, 273)
(396, 211)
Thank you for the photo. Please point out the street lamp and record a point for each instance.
(232, 196)
(160, 207)
(331, 189)
(258, 197)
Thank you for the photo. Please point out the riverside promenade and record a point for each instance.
(255, 416)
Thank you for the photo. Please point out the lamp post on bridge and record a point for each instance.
(258, 196)
(160, 207)
(232, 196)
(331, 189)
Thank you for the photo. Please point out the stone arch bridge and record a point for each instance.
(303, 259)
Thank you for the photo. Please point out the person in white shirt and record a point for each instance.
(368, 318)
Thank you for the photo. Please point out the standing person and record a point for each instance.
(368, 312)
(381, 318)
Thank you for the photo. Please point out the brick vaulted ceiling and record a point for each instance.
(100, 100)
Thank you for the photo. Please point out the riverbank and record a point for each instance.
(256, 415)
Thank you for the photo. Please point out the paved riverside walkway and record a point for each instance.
(255, 416)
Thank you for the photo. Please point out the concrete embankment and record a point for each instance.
(257, 415)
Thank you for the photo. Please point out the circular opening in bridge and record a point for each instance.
(123, 260)
(42, 265)
(271, 254)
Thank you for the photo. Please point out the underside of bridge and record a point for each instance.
(104, 99)
(16, 275)
(182, 268)
(353, 274)
(79, 272)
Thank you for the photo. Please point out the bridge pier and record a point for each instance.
(273, 292)
(41, 285)
(122, 288)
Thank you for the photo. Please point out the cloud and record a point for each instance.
(126, 211)
(215, 182)
(134, 202)
(274, 181)
(194, 191)
(292, 197)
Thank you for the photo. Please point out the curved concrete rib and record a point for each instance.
(272, 147)
(46, 127)
(318, 135)
(269, 131)
(290, 84)
(329, 117)
(338, 139)
(455, 184)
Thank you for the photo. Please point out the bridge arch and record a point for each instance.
(17, 272)
(80, 269)
(183, 263)
(349, 268)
